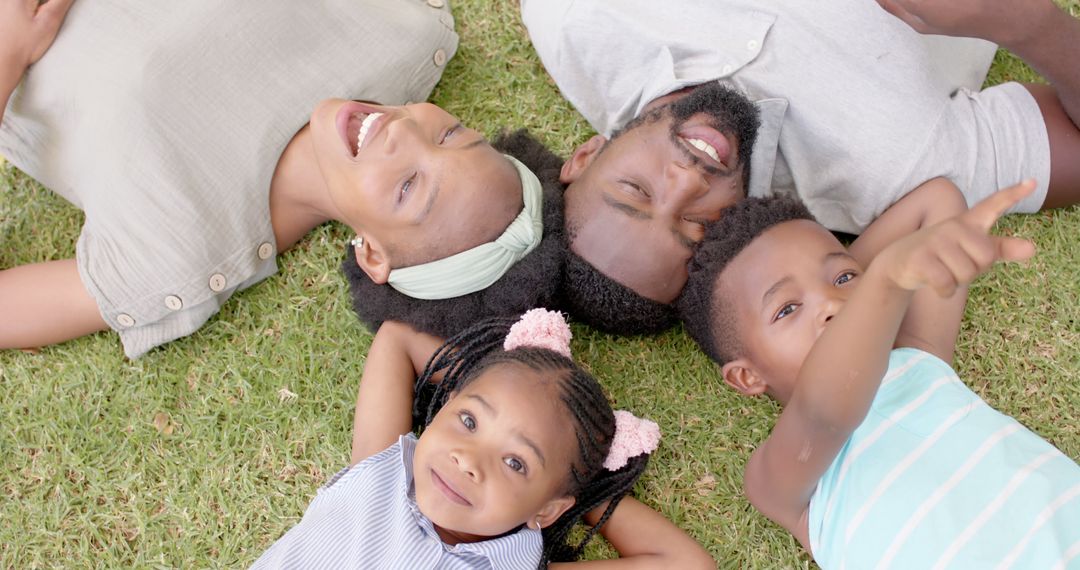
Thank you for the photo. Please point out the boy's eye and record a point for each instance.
(515, 464)
(845, 277)
(785, 311)
(467, 420)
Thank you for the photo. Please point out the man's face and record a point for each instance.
(637, 204)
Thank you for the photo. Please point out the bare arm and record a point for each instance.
(644, 539)
(26, 32)
(384, 400)
(45, 303)
(841, 375)
(1043, 35)
(932, 322)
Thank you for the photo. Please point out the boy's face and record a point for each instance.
(495, 457)
(783, 289)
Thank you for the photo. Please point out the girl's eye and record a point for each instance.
(515, 464)
(846, 277)
(406, 186)
(467, 420)
(785, 311)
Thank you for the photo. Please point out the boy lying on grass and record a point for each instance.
(881, 457)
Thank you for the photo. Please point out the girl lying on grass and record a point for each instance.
(882, 458)
(518, 445)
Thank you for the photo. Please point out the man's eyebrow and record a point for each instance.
(772, 290)
(478, 142)
(626, 208)
(535, 448)
(485, 404)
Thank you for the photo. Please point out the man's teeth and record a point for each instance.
(364, 126)
(702, 146)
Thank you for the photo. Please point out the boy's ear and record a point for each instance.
(372, 259)
(741, 375)
(552, 510)
(581, 159)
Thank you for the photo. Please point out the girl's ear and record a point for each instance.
(372, 259)
(741, 375)
(552, 511)
(581, 159)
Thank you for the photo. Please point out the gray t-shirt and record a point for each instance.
(164, 121)
(857, 108)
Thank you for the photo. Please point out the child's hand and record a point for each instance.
(28, 29)
(956, 251)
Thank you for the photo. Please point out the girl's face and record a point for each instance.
(417, 184)
(495, 457)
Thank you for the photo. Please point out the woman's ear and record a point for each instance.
(741, 375)
(552, 510)
(581, 159)
(372, 259)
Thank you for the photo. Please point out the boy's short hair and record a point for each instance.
(708, 317)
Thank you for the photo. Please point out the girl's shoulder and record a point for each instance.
(384, 464)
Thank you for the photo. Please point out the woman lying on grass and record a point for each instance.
(882, 457)
(185, 132)
(519, 444)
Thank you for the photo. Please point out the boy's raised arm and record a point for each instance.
(384, 399)
(841, 375)
(932, 322)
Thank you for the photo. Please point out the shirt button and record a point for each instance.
(440, 57)
(125, 320)
(436, 3)
(266, 250)
(174, 303)
(217, 282)
(727, 69)
(751, 45)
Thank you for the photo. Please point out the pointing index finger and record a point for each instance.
(986, 213)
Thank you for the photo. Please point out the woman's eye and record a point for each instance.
(785, 311)
(467, 420)
(449, 133)
(845, 277)
(515, 464)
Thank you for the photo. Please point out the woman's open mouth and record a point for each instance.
(357, 122)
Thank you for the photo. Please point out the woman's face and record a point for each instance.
(412, 181)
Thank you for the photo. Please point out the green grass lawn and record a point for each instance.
(203, 452)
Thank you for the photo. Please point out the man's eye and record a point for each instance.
(515, 464)
(846, 277)
(785, 311)
(467, 420)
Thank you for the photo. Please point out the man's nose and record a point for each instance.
(685, 183)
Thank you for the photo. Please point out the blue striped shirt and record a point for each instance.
(366, 517)
(936, 478)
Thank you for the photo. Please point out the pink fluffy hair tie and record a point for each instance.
(540, 328)
(633, 437)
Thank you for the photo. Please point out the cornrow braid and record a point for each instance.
(466, 355)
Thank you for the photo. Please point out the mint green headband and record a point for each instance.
(475, 269)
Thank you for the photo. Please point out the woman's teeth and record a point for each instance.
(696, 143)
(364, 126)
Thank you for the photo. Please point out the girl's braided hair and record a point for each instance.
(467, 354)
